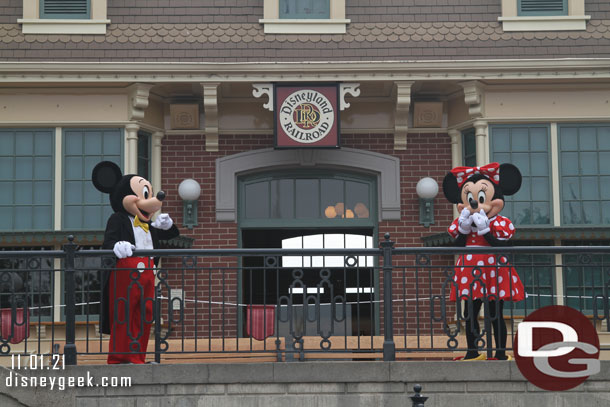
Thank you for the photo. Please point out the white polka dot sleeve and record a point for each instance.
(453, 229)
(502, 228)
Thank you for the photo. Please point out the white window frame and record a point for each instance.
(31, 23)
(576, 20)
(273, 24)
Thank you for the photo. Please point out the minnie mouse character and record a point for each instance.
(479, 194)
(125, 294)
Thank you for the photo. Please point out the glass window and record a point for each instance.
(26, 179)
(319, 197)
(543, 7)
(84, 207)
(537, 273)
(527, 148)
(60, 9)
(144, 155)
(469, 148)
(584, 277)
(585, 174)
(304, 9)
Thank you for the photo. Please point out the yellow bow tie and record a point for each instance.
(137, 222)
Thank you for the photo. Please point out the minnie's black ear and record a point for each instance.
(105, 176)
(510, 179)
(451, 189)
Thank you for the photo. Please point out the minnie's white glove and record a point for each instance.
(163, 222)
(123, 249)
(465, 222)
(481, 222)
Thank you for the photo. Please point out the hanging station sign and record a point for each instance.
(307, 116)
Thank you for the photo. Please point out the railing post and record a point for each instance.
(70, 346)
(417, 399)
(157, 318)
(389, 348)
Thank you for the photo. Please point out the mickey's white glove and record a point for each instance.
(465, 222)
(163, 222)
(123, 249)
(481, 222)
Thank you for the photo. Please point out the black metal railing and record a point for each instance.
(288, 304)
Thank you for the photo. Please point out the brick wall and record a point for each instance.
(185, 157)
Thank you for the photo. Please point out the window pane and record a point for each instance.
(524, 193)
(500, 138)
(520, 139)
(93, 143)
(588, 139)
(332, 194)
(569, 138)
(112, 143)
(569, 163)
(257, 204)
(6, 221)
(73, 167)
(540, 188)
(6, 197)
(41, 216)
(538, 139)
(73, 143)
(357, 199)
(43, 144)
(286, 198)
(43, 193)
(23, 193)
(73, 192)
(606, 212)
(307, 199)
(24, 143)
(91, 217)
(24, 168)
(541, 213)
(304, 9)
(605, 190)
(572, 212)
(7, 143)
(570, 188)
(604, 163)
(588, 163)
(589, 188)
(603, 138)
(43, 168)
(75, 218)
(23, 218)
(540, 165)
(591, 212)
(7, 165)
(523, 213)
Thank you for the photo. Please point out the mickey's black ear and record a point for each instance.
(451, 189)
(510, 179)
(105, 176)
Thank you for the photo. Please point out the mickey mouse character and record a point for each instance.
(479, 194)
(125, 294)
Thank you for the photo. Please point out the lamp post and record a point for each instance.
(427, 189)
(189, 190)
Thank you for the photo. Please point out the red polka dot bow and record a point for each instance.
(491, 171)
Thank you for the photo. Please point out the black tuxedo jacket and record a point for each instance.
(119, 228)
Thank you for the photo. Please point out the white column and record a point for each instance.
(554, 156)
(456, 156)
(481, 137)
(156, 160)
(131, 134)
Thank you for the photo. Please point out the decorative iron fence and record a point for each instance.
(291, 304)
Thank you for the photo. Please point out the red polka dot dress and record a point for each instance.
(497, 279)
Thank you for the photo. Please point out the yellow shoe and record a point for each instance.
(482, 356)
